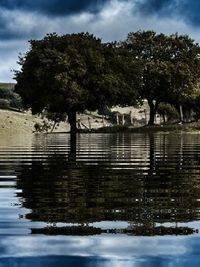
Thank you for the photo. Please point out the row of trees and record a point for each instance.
(74, 72)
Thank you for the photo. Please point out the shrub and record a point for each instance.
(168, 112)
(4, 103)
(16, 102)
(9, 99)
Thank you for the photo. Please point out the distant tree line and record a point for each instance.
(74, 72)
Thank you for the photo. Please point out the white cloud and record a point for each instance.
(9, 52)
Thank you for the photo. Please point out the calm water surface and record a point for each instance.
(119, 200)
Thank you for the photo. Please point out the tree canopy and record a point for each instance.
(72, 73)
(77, 72)
(170, 67)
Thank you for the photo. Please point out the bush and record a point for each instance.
(167, 112)
(6, 93)
(42, 127)
(16, 102)
(4, 103)
(9, 99)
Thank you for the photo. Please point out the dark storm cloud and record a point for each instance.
(8, 32)
(22, 20)
(185, 10)
(54, 7)
(192, 11)
(154, 6)
(188, 10)
(14, 27)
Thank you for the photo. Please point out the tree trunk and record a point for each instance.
(103, 121)
(117, 119)
(131, 117)
(153, 109)
(145, 116)
(164, 120)
(89, 123)
(72, 121)
(181, 112)
(123, 120)
(54, 125)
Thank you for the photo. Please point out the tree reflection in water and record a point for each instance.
(146, 180)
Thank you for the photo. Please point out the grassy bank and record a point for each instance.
(187, 127)
(12, 122)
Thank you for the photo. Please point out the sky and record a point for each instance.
(23, 20)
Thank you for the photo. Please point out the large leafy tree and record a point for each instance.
(72, 73)
(185, 71)
(170, 67)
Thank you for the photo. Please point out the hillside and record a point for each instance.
(24, 122)
(11, 122)
(18, 122)
(7, 85)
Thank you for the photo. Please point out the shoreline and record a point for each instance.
(171, 128)
(12, 122)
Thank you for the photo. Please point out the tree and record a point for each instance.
(71, 73)
(185, 58)
(170, 67)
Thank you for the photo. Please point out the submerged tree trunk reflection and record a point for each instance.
(152, 148)
(72, 152)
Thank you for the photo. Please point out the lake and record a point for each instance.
(118, 200)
